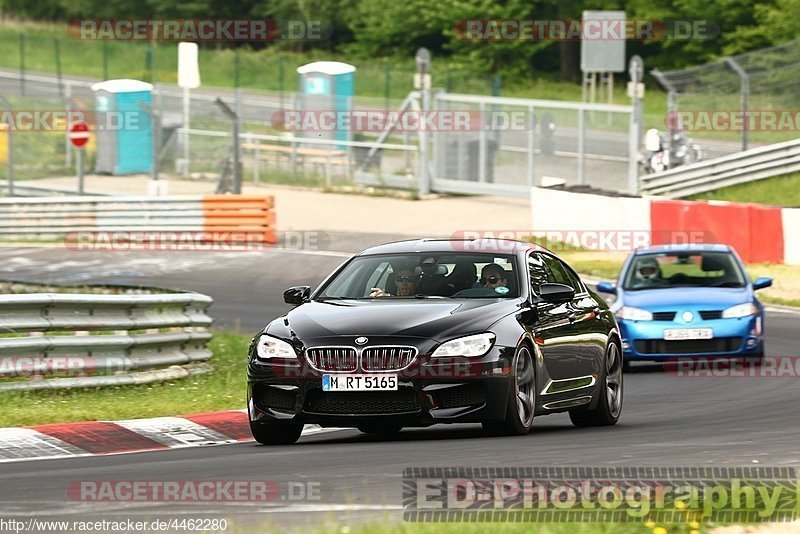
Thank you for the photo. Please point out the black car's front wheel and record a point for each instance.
(276, 433)
(609, 405)
(521, 399)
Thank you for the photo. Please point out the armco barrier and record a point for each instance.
(46, 217)
(79, 340)
(758, 233)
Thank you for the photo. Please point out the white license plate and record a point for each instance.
(677, 334)
(359, 382)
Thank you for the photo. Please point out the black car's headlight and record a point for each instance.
(268, 347)
(470, 346)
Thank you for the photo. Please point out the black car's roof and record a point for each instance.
(424, 245)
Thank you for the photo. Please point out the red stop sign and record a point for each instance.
(78, 133)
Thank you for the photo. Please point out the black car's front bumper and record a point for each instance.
(429, 391)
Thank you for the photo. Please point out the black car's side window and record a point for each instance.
(539, 272)
(561, 274)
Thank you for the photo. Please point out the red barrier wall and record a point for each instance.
(756, 232)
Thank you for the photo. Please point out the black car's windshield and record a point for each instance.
(425, 275)
(682, 269)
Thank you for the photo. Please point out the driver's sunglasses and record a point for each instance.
(405, 278)
(490, 280)
(647, 270)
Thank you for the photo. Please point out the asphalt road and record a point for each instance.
(667, 420)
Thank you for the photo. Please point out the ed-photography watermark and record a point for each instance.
(596, 494)
(734, 120)
(585, 30)
(198, 491)
(198, 30)
(368, 120)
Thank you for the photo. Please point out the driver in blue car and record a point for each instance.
(648, 274)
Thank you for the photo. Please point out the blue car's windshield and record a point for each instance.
(683, 269)
(456, 275)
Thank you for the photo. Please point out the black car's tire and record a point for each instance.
(276, 433)
(521, 399)
(609, 405)
(380, 429)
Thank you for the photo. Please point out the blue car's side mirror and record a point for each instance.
(607, 287)
(762, 282)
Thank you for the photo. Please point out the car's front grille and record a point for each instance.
(456, 396)
(404, 400)
(342, 359)
(708, 315)
(663, 316)
(386, 358)
(688, 346)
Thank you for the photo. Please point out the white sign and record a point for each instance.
(188, 67)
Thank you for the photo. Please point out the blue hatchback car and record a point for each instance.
(687, 300)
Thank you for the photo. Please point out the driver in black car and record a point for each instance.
(493, 276)
(406, 281)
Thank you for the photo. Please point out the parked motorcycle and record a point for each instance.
(659, 155)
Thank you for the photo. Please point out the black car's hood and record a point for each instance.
(428, 318)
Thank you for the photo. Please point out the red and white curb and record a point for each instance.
(89, 438)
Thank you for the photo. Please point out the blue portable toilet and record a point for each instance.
(327, 86)
(123, 127)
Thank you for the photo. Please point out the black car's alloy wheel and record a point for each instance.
(275, 433)
(521, 400)
(609, 405)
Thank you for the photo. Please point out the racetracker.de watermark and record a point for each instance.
(584, 30)
(214, 30)
(766, 367)
(402, 121)
(75, 365)
(734, 120)
(196, 240)
(58, 120)
(556, 240)
(596, 494)
(193, 491)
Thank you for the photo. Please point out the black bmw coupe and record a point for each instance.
(431, 331)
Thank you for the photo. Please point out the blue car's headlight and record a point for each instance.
(740, 310)
(630, 313)
(470, 346)
(269, 347)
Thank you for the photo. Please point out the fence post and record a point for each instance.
(10, 147)
(280, 77)
(57, 51)
(237, 170)
(22, 63)
(581, 146)
(422, 79)
(744, 80)
(636, 72)
(105, 60)
(387, 85)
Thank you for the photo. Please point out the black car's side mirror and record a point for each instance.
(297, 295)
(551, 292)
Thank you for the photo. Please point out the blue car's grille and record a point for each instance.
(663, 316)
(708, 315)
(690, 346)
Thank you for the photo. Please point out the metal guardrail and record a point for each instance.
(48, 217)
(748, 166)
(37, 191)
(88, 340)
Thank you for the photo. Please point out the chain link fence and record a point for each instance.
(764, 83)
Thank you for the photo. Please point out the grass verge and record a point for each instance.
(777, 191)
(224, 389)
